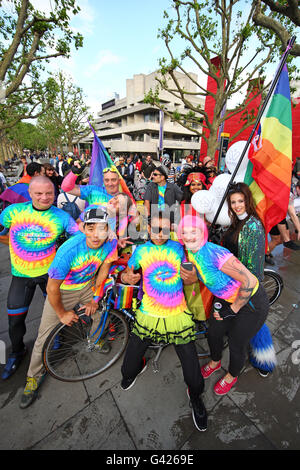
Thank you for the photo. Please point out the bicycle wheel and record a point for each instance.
(71, 353)
(273, 285)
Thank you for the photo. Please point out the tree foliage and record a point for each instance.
(202, 31)
(269, 15)
(65, 122)
(30, 38)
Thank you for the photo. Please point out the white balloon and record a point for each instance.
(203, 201)
(220, 184)
(223, 217)
(233, 155)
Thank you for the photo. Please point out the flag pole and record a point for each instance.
(270, 92)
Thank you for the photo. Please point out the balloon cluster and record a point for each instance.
(207, 202)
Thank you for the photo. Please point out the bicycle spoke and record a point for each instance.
(78, 356)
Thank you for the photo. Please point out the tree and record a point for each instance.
(27, 135)
(65, 122)
(269, 14)
(221, 28)
(28, 40)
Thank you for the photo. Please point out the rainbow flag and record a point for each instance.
(16, 193)
(269, 169)
(101, 160)
(125, 296)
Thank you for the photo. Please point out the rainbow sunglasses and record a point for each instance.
(112, 169)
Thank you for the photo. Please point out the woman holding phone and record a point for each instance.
(244, 303)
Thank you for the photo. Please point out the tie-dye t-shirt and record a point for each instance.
(208, 261)
(32, 236)
(162, 284)
(94, 195)
(161, 197)
(76, 263)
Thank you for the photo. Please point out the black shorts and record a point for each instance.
(275, 231)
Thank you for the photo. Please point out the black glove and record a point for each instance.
(226, 312)
(76, 170)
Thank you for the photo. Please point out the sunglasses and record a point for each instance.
(156, 230)
(113, 169)
(156, 174)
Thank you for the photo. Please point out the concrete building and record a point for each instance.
(128, 125)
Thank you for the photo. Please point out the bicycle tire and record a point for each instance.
(273, 285)
(78, 358)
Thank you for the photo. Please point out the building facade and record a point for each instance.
(129, 126)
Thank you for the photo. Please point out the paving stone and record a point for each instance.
(98, 426)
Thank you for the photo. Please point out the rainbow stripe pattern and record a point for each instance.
(32, 237)
(162, 285)
(270, 168)
(77, 264)
(208, 261)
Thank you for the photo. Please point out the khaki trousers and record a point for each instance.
(50, 320)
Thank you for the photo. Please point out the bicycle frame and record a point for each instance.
(109, 304)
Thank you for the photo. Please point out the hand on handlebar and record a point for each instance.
(90, 308)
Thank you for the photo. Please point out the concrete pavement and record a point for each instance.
(155, 415)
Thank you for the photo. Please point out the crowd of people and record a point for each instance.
(67, 236)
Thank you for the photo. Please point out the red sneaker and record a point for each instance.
(222, 387)
(206, 370)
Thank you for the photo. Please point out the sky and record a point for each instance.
(120, 40)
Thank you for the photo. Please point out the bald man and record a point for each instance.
(34, 228)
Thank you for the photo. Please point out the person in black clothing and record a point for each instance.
(162, 195)
(122, 168)
(147, 167)
(61, 165)
(129, 178)
(55, 178)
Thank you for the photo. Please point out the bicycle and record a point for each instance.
(90, 346)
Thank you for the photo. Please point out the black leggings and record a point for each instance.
(186, 352)
(19, 298)
(240, 330)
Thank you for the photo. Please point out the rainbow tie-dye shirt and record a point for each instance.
(76, 263)
(208, 261)
(162, 284)
(94, 195)
(32, 236)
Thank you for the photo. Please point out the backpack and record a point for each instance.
(71, 207)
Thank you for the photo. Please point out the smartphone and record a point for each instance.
(188, 266)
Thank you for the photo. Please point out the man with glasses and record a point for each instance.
(91, 193)
(71, 278)
(163, 194)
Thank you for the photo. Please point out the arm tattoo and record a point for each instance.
(245, 291)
